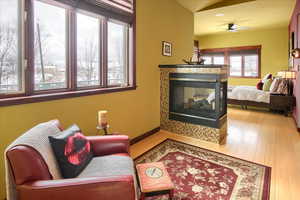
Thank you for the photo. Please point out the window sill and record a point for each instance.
(60, 95)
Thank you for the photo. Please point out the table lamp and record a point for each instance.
(102, 121)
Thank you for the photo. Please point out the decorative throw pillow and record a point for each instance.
(274, 85)
(260, 85)
(72, 151)
(283, 87)
(267, 77)
(267, 85)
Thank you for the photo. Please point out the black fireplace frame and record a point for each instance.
(198, 80)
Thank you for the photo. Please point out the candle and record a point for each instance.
(102, 118)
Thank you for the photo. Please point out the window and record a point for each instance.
(214, 58)
(50, 47)
(243, 61)
(219, 60)
(11, 74)
(207, 60)
(251, 63)
(235, 66)
(88, 51)
(65, 49)
(117, 59)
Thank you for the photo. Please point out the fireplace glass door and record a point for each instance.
(193, 98)
(198, 99)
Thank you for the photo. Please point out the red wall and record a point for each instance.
(294, 28)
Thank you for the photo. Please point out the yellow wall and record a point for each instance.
(131, 113)
(274, 56)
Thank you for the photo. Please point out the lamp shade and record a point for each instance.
(287, 74)
(296, 53)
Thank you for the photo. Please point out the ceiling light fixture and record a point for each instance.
(219, 15)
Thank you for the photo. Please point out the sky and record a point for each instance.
(8, 11)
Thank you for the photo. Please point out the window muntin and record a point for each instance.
(11, 47)
(117, 53)
(50, 46)
(88, 50)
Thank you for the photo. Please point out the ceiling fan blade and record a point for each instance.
(224, 3)
(243, 28)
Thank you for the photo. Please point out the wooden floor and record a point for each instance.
(262, 137)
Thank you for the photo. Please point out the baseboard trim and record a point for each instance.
(143, 136)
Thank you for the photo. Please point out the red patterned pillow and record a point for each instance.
(260, 85)
(72, 151)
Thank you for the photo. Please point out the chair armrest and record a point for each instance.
(106, 145)
(104, 188)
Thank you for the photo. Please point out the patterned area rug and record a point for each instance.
(201, 174)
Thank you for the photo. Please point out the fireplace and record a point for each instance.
(199, 99)
(193, 101)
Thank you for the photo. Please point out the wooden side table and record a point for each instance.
(154, 180)
(283, 103)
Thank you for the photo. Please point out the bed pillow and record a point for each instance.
(267, 77)
(274, 85)
(282, 87)
(267, 85)
(260, 85)
(72, 151)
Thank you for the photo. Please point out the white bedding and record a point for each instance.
(250, 93)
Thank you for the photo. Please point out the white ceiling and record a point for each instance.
(259, 14)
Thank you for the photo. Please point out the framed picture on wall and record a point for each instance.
(166, 48)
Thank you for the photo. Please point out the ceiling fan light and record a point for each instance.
(235, 26)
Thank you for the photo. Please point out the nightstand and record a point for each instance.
(283, 103)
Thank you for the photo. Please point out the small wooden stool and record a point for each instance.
(154, 180)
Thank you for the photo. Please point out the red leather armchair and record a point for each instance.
(34, 181)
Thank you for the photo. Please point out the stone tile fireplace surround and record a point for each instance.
(192, 122)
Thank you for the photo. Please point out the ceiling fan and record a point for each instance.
(232, 27)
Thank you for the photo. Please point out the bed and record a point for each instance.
(248, 96)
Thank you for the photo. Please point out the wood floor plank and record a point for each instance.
(257, 136)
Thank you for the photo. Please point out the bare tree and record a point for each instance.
(87, 59)
(8, 48)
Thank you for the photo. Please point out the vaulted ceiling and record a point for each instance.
(252, 14)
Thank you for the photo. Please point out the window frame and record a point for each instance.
(227, 51)
(29, 95)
